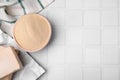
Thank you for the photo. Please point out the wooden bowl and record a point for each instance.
(32, 32)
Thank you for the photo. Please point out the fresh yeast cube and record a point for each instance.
(9, 77)
(9, 61)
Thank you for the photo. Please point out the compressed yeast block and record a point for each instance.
(9, 77)
(9, 61)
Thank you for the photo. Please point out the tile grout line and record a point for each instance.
(118, 35)
(101, 47)
(82, 40)
(82, 13)
(100, 39)
(65, 56)
(65, 42)
(82, 63)
(65, 4)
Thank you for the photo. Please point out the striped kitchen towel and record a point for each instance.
(10, 11)
(21, 7)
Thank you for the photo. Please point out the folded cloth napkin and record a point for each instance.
(3, 38)
(31, 70)
(10, 11)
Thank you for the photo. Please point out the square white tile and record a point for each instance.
(56, 55)
(41, 57)
(73, 72)
(119, 36)
(59, 36)
(56, 73)
(91, 36)
(74, 4)
(110, 74)
(91, 18)
(85, 38)
(119, 3)
(91, 3)
(73, 18)
(56, 16)
(74, 37)
(58, 4)
(92, 55)
(92, 74)
(110, 3)
(109, 18)
(110, 55)
(110, 36)
(73, 55)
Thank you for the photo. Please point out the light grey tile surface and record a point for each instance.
(56, 73)
(91, 3)
(74, 4)
(110, 55)
(85, 42)
(91, 36)
(110, 36)
(56, 55)
(109, 17)
(92, 74)
(60, 35)
(73, 55)
(110, 74)
(59, 4)
(110, 3)
(73, 17)
(92, 18)
(71, 70)
(92, 55)
(74, 36)
(56, 16)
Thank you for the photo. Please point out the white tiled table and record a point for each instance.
(85, 42)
